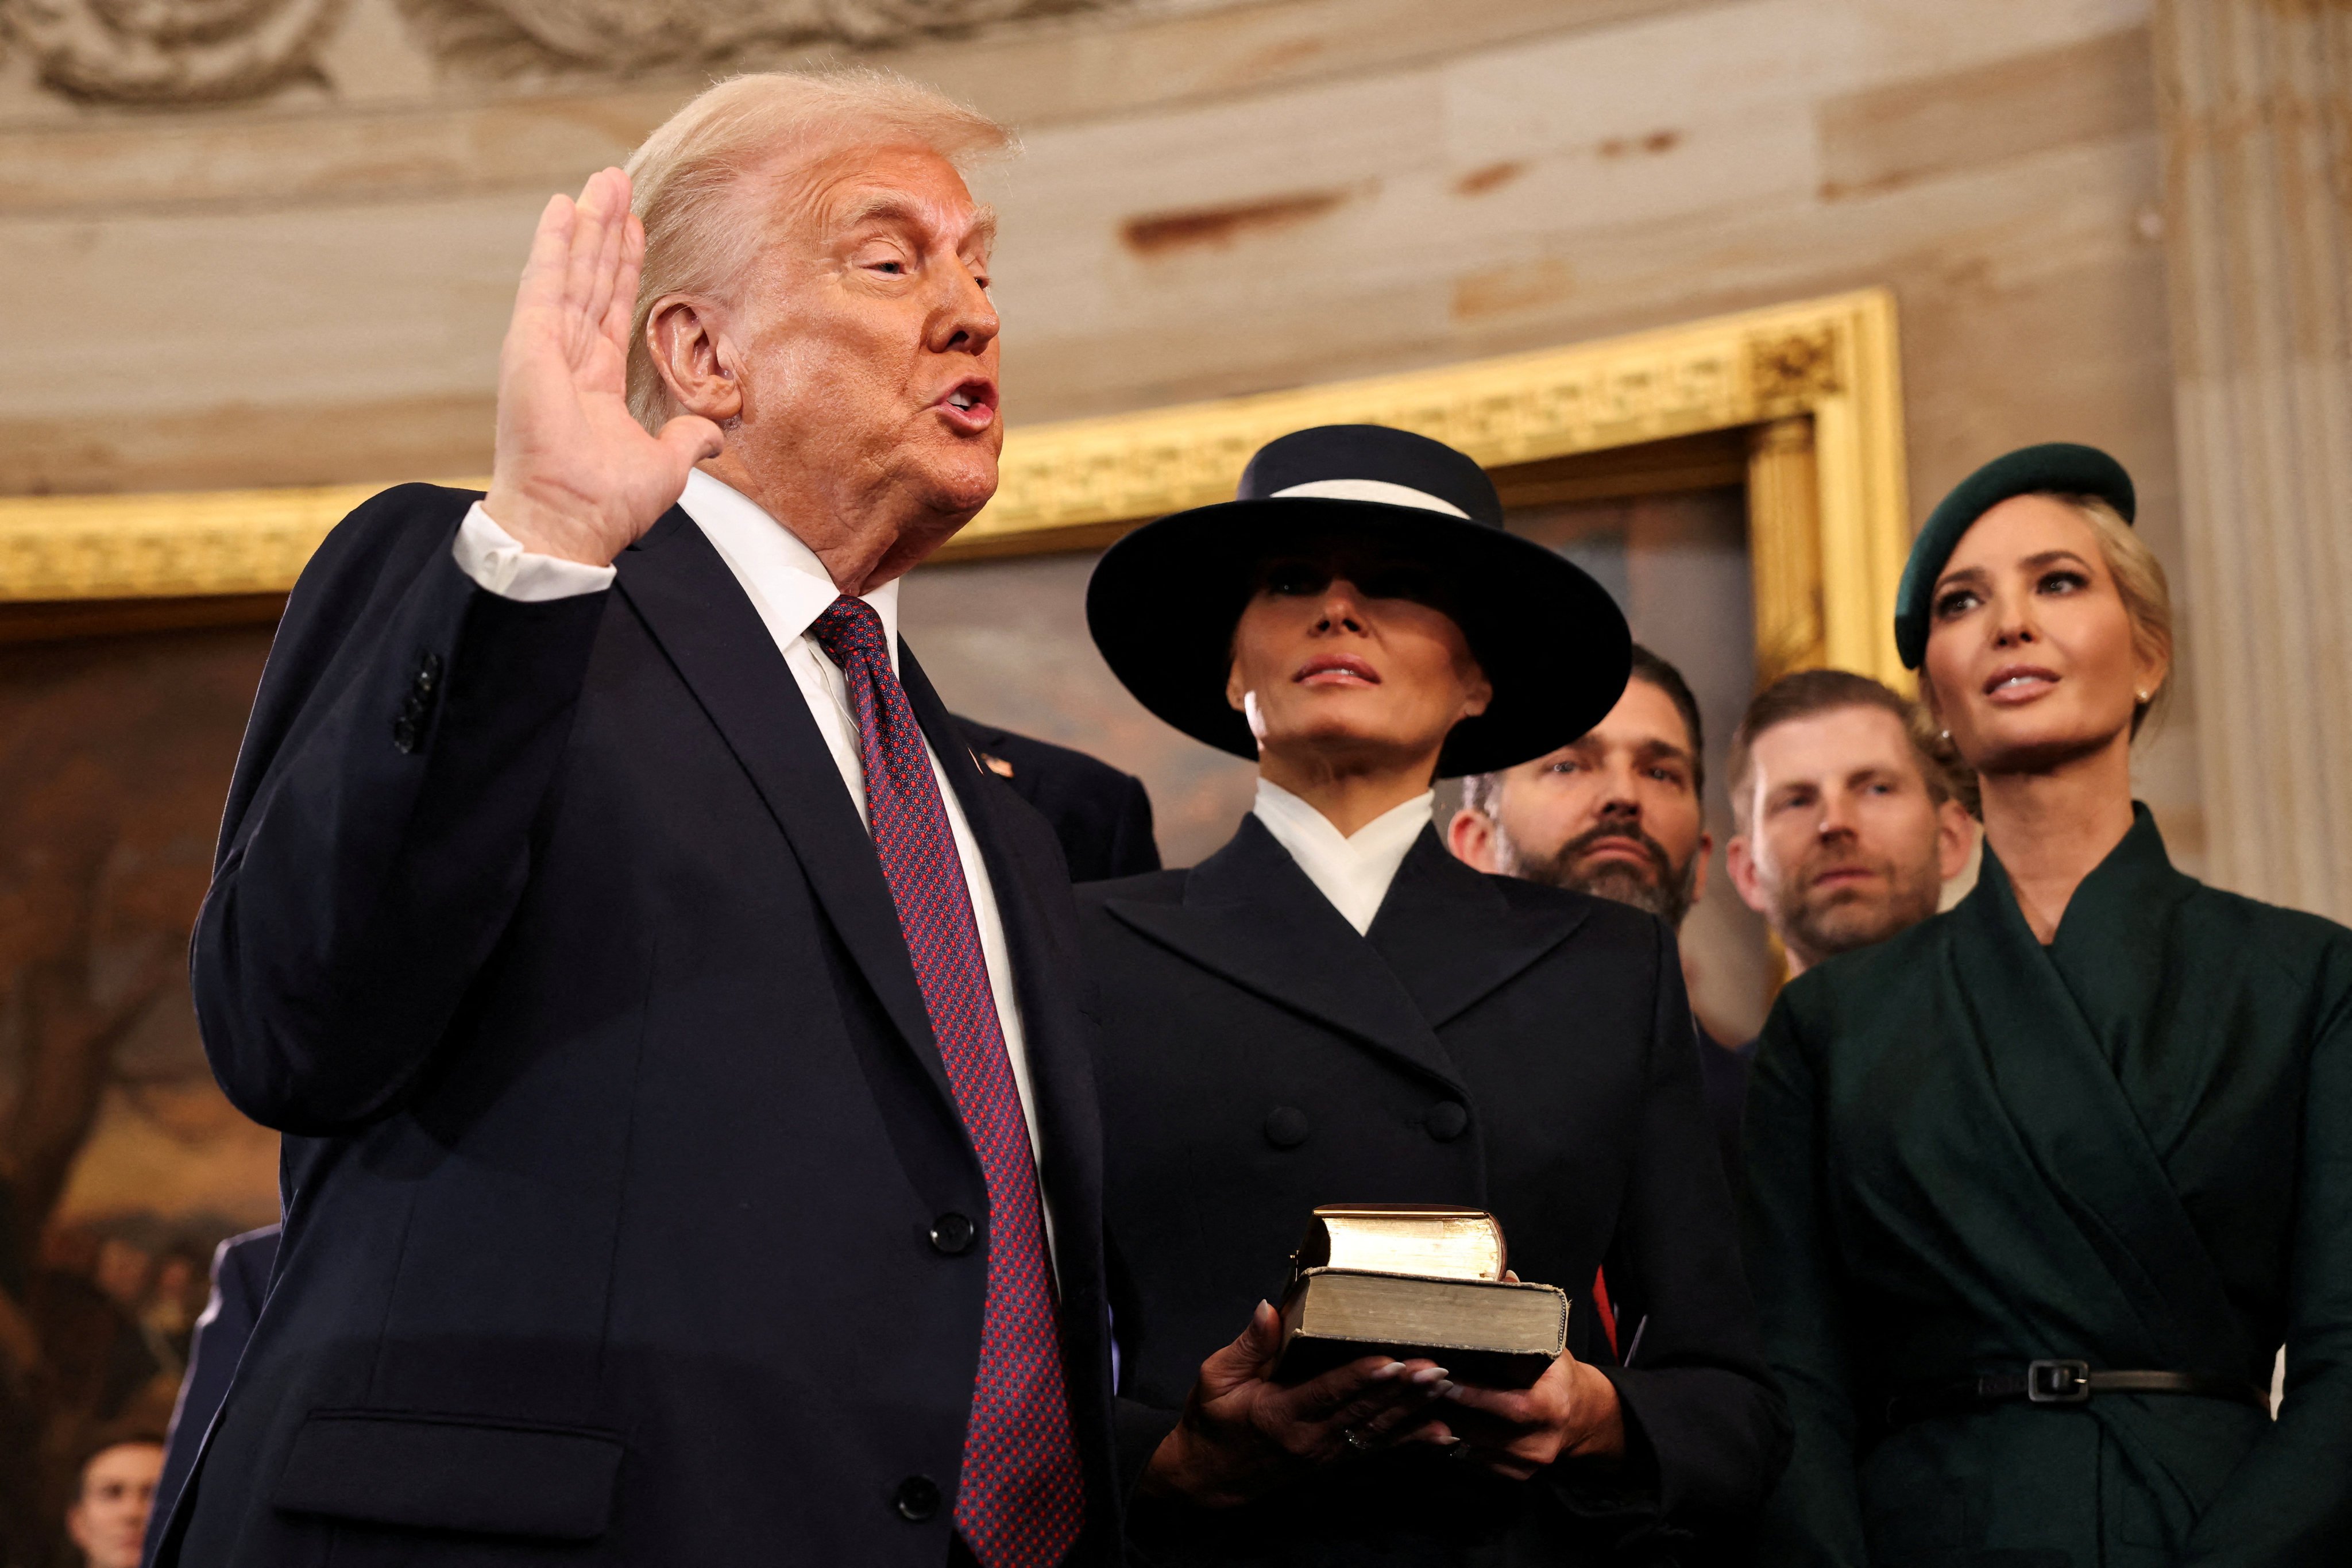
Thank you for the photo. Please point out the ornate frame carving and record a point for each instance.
(1815, 386)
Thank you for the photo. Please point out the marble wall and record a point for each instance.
(304, 277)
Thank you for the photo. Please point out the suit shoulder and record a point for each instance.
(1855, 983)
(1150, 888)
(391, 533)
(2304, 952)
(1025, 751)
(2296, 934)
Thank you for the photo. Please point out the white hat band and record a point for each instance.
(1379, 490)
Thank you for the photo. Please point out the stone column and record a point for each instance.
(2256, 99)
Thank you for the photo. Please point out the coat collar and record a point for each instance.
(1453, 936)
(2110, 945)
(1446, 937)
(1252, 916)
(698, 612)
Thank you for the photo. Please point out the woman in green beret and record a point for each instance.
(2037, 1189)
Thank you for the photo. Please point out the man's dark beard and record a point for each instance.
(1664, 891)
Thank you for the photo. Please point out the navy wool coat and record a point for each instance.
(1490, 1043)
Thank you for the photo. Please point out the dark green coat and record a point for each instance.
(2133, 1147)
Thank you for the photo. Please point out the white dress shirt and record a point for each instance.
(788, 587)
(1353, 871)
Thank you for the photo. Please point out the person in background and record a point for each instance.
(2036, 1188)
(1332, 1008)
(1618, 813)
(1102, 816)
(1846, 824)
(113, 1495)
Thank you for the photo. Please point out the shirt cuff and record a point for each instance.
(497, 561)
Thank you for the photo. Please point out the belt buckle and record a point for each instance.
(2058, 1381)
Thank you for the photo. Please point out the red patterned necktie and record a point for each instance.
(1022, 1500)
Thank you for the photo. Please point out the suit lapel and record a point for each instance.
(1251, 915)
(1450, 935)
(696, 611)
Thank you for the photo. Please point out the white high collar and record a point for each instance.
(1353, 871)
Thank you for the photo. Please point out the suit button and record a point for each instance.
(1446, 1120)
(916, 1498)
(952, 1233)
(1286, 1127)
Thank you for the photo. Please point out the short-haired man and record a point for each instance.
(690, 1148)
(1618, 814)
(108, 1520)
(1847, 827)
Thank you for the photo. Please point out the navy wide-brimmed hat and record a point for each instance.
(2054, 467)
(1165, 599)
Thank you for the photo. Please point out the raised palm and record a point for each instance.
(576, 475)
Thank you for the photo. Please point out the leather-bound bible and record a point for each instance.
(1411, 1281)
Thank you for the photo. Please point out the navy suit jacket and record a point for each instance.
(617, 1143)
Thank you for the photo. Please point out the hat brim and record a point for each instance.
(1164, 600)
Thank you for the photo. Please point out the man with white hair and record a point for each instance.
(689, 1152)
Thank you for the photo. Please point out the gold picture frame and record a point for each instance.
(1811, 391)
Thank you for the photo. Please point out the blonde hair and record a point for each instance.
(2140, 583)
(2147, 592)
(687, 178)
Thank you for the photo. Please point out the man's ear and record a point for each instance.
(1740, 861)
(693, 359)
(1704, 853)
(1471, 837)
(1955, 835)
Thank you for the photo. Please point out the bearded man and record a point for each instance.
(1618, 814)
(690, 1148)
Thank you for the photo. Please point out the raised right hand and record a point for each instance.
(1243, 1435)
(576, 475)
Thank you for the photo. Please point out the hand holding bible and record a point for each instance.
(1571, 1412)
(575, 476)
(1242, 1434)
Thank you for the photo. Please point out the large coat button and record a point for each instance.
(916, 1498)
(952, 1233)
(1446, 1120)
(1286, 1127)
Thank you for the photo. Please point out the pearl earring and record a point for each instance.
(1948, 737)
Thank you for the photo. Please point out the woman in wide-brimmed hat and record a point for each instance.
(2037, 1188)
(1332, 1009)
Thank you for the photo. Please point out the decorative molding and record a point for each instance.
(518, 37)
(1829, 518)
(183, 52)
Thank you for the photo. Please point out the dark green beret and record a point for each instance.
(2055, 467)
